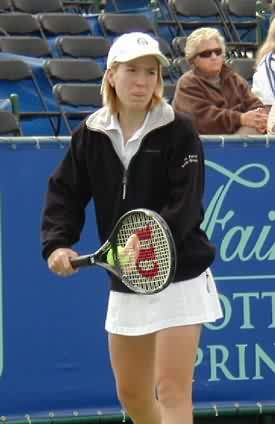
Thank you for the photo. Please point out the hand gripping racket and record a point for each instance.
(140, 252)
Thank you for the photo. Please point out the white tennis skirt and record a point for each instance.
(187, 302)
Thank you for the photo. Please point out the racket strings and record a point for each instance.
(145, 267)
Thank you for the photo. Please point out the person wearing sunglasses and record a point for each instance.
(218, 98)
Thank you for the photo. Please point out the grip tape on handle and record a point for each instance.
(81, 261)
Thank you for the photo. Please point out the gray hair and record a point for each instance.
(195, 39)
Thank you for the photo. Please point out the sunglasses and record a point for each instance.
(208, 53)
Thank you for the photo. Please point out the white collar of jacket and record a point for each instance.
(160, 115)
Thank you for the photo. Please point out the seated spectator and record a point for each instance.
(263, 84)
(219, 99)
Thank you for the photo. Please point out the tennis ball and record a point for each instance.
(124, 259)
(110, 257)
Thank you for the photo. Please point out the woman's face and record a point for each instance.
(209, 59)
(135, 82)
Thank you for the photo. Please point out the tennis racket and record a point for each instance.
(140, 252)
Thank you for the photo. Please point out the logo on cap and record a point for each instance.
(142, 42)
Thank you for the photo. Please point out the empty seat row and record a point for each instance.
(74, 46)
(108, 25)
(33, 84)
(32, 6)
(76, 101)
(96, 48)
(88, 6)
(185, 7)
(51, 26)
(53, 100)
(178, 17)
(235, 19)
(44, 24)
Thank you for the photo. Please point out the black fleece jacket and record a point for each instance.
(165, 175)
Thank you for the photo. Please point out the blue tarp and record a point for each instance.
(53, 347)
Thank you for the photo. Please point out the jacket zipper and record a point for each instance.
(125, 172)
(124, 184)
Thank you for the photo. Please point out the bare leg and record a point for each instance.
(175, 359)
(132, 359)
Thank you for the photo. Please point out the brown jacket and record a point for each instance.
(215, 110)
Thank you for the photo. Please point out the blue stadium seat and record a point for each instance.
(9, 124)
(73, 70)
(169, 90)
(242, 14)
(244, 66)
(36, 117)
(38, 6)
(5, 6)
(180, 65)
(79, 46)
(77, 101)
(26, 46)
(127, 6)
(83, 6)
(180, 17)
(17, 23)
(115, 24)
(57, 24)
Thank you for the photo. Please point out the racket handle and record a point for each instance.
(80, 261)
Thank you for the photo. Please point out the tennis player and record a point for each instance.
(136, 152)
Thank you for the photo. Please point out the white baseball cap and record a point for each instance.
(133, 45)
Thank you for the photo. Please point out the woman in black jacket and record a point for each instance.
(135, 152)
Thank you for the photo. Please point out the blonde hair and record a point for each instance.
(109, 97)
(268, 45)
(195, 39)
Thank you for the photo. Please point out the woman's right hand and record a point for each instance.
(271, 121)
(256, 118)
(59, 261)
